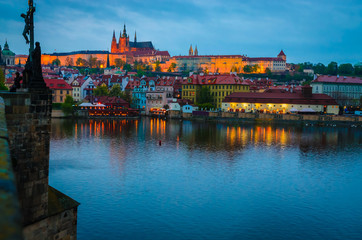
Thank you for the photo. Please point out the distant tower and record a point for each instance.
(114, 43)
(191, 52)
(135, 37)
(282, 55)
(108, 65)
(196, 52)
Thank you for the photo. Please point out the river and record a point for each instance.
(157, 179)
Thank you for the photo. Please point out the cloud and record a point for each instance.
(305, 28)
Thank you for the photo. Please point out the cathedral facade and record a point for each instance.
(124, 45)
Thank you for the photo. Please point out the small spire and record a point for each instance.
(108, 65)
(191, 52)
(135, 36)
(6, 46)
(196, 51)
(124, 31)
(114, 35)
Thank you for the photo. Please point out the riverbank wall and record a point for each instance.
(316, 120)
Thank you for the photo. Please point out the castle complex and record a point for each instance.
(144, 52)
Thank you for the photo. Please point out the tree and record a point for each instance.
(332, 68)
(2, 81)
(140, 73)
(101, 90)
(127, 67)
(204, 96)
(158, 68)
(79, 61)
(319, 68)
(67, 106)
(116, 91)
(255, 68)
(358, 69)
(247, 69)
(92, 61)
(268, 71)
(119, 62)
(166, 106)
(173, 66)
(56, 62)
(346, 68)
(69, 61)
(100, 63)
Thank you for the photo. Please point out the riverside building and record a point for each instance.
(288, 102)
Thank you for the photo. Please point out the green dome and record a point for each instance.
(6, 50)
(8, 53)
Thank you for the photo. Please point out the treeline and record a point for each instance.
(331, 69)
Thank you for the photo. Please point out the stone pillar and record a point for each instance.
(28, 120)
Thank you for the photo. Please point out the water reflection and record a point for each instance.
(208, 180)
(209, 136)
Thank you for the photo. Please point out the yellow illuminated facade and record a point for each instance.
(219, 86)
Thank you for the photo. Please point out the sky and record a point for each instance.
(306, 30)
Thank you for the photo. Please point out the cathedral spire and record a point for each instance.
(135, 36)
(124, 31)
(196, 51)
(191, 52)
(114, 35)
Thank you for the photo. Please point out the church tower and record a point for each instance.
(191, 52)
(196, 52)
(123, 45)
(114, 43)
(135, 37)
(282, 55)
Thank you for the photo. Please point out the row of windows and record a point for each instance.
(217, 87)
(61, 91)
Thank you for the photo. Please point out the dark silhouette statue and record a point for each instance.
(16, 84)
(26, 27)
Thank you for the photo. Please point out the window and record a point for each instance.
(61, 98)
(61, 91)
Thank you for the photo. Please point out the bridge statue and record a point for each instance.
(32, 74)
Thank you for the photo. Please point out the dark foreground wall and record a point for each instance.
(46, 212)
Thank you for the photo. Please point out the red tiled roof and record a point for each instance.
(281, 53)
(264, 59)
(291, 98)
(214, 79)
(336, 79)
(57, 84)
(106, 100)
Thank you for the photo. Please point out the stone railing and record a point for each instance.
(10, 218)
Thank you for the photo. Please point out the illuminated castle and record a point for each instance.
(124, 45)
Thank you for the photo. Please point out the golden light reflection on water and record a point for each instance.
(214, 136)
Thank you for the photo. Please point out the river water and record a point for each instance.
(209, 180)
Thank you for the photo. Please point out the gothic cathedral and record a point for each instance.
(124, 45)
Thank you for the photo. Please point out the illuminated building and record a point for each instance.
(224, 63)
(219, 86)
(272, 102)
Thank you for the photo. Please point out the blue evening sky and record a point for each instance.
(307, 30)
